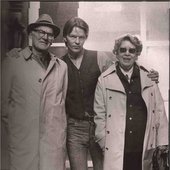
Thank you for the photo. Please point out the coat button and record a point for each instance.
(39, 80)
(110, 97)
(151, 94)
(130, 105)
(109, 115)
(107, 148)
(153, 111)
(108, 132)
(130, 92)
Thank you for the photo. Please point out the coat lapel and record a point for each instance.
(145, 81)
(112, 80)
(51, 65)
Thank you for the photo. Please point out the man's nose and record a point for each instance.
(77, 40)
(45, 36)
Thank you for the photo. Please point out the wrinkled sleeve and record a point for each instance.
(105, 60)
(7, 70)
(100, 117)
(65, 83)
(161, 119)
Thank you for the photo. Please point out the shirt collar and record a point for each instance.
(129, 72)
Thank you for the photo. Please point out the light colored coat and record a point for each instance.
(110, 107)
(28, 92)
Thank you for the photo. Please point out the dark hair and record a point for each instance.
(133, 39)
(75, 22)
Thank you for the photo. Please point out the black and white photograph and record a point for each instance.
(85, 85)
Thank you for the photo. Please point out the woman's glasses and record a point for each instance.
(124, 50)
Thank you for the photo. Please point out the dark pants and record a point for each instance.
(80, 139)
(132, 161)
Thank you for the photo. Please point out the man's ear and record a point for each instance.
(65, 39)
(30, 36)
(136, 58)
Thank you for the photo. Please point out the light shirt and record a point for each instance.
(128, 74)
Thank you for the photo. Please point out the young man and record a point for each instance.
(34, 84)
(84, 68)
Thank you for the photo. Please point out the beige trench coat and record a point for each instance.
(110, 107)
(31, 94)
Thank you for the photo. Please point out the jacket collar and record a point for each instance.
(27, 54)
(115, 83)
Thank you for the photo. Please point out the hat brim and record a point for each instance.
(34, 25)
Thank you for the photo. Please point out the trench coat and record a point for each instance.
(110, 107)
(33, 101)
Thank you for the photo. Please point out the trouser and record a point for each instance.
(132, 161)
(80, 139)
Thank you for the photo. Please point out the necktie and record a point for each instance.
(127, 77)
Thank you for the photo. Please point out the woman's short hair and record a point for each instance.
(133, 39)
(75, 22)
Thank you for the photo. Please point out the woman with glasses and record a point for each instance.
(130, 115)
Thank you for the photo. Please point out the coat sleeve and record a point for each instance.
(65, 83)
(161, 119)
(8, 70)
(100, 110)
(7, 74)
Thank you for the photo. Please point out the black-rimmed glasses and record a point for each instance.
(124, 50)
(43, 33)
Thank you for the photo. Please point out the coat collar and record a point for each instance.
(113, 81)
(27, 54)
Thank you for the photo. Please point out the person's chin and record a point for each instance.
(76, 50)
(44, 46)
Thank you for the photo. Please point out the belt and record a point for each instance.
(89, 118)
(86, 117)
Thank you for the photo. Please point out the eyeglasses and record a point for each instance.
(124, 50)
(43, 33)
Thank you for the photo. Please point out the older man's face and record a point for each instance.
(127, 55)
(42, 38)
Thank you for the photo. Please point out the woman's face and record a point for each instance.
(127, 55)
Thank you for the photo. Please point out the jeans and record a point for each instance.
(80, 139)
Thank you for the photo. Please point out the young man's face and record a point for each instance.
(42, 38)
(75, 41)
(127, 55)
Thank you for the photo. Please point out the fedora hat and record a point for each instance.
(44, 20)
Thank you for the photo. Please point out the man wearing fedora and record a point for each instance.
(34, 84)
